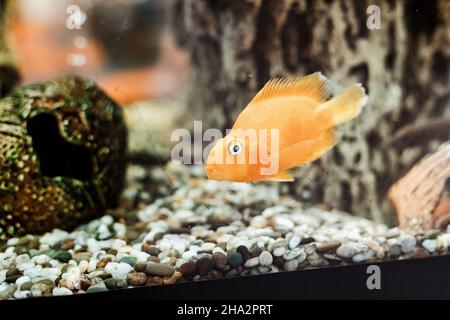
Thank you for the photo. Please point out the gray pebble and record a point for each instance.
(252, 262)
(408, 243)
(346, 251)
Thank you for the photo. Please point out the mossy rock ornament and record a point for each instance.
(62, 156)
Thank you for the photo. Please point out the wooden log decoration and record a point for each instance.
(421, 198)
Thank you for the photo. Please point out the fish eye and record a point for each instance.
(234, 148)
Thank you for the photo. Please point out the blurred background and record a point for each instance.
(124, 45)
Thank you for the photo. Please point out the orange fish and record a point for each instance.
(290, 122)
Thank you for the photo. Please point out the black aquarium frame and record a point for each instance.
(421, 278)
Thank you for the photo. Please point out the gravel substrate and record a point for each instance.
(175, 226)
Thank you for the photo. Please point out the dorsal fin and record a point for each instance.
(315, 86)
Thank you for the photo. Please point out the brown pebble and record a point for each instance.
(140, 266)
(173, 278)
(153, 259)
(159, 269)
(136, 279)
(420, 253)
(154, 281)
(84, 284)
(219, 259)
(103, 262)
(204, 265)
(12, 279)
(67, 244)
(188, 269)
(13, 271)
(328, 246)
(151, 249)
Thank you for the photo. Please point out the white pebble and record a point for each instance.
(294, 241)
(346, 251)
(83, 266)
(107, 220)
(291, 265)
(33, 272)
(278, 252)
(22, 294)
(120, 270)
(3, 275)
(23, 258)
(41, 259)
(61, 291)
(430, 245)
(20, 281)
(265, 258)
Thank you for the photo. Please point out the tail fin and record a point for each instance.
(346, 105)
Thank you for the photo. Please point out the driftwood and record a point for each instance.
(421, 198)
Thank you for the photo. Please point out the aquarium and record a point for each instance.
(199, 149)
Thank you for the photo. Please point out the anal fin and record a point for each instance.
(282, 176)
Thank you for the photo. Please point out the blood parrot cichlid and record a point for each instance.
(290, 122)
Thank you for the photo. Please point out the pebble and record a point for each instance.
(220, 260)
(80, 256)
(265, 258)
(408, 243)
(430, 245)
(63, 256)
(294, 241)
(328, 246)
(363, 256)
(254, 250)
(292, 254)
(97, 288)
(111, 283)
(204, 265)
(157, 269)
(235, 259)
(188, 269)
(130, 260)
(290, 265)
(395, 249)
(154, 281)
(136, 279)
(140, 266)
(173, 278)
(244, 252)
(61, 291)
(152, 250)
(40, 289)
(346, 251)
(252, 262)
(310, 248)
(26, 286)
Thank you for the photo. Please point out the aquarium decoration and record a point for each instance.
(62, 156)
